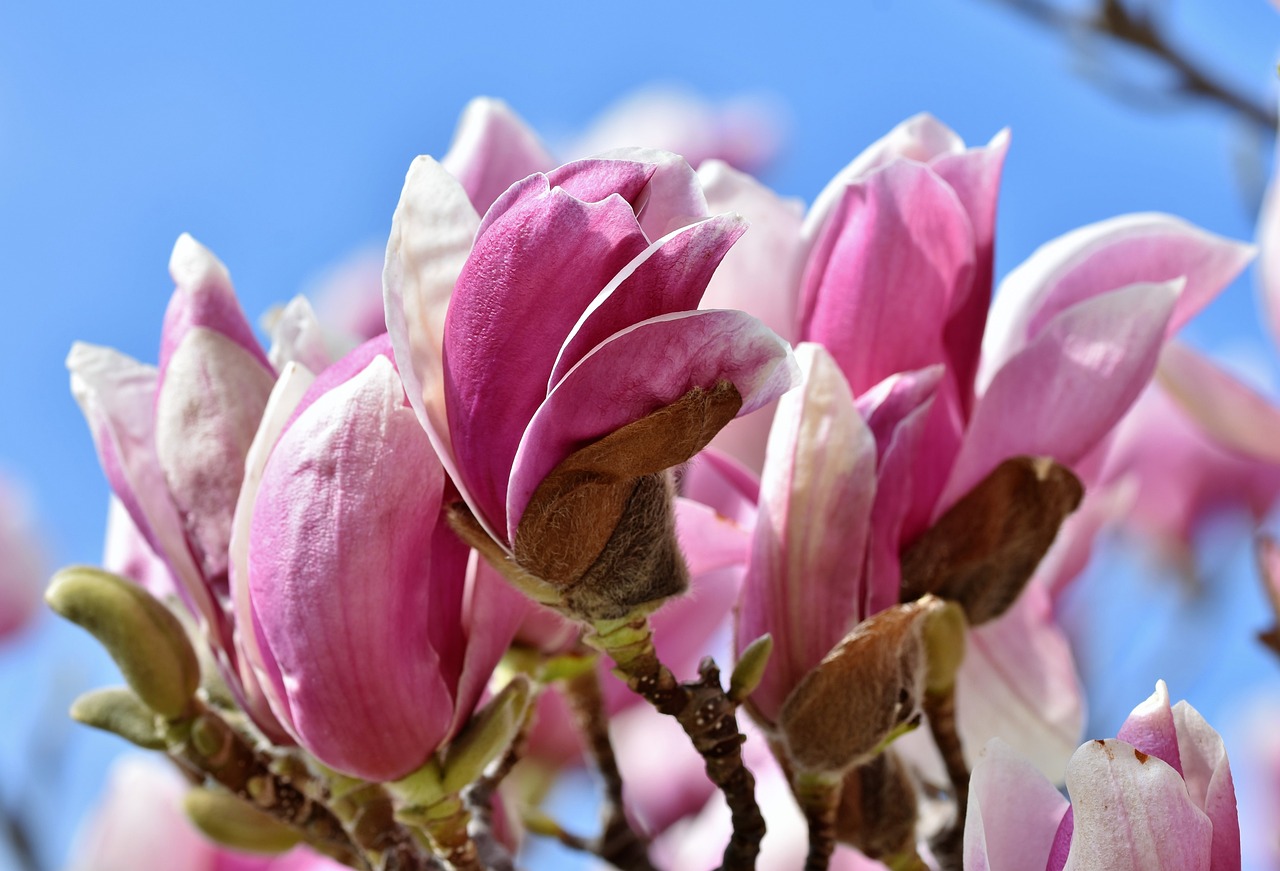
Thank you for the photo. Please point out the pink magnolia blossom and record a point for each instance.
(139, 825)
(1158, 796)
(21, 561)
(173, 440)
(571, 316)
(924, 395)
(373, 637)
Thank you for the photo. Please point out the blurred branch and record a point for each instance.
(1114, 20)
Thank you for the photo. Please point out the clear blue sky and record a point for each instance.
(279, 133)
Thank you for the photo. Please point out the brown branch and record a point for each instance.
(819, 798)
(619, 844)
(948, 844)
(1113, 20)
(707, 715)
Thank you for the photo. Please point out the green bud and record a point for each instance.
(143, 637)
(943, 630)
(486, 736)
(119, 711)
(750, 668)
(233, 822)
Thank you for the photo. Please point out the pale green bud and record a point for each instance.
(750, 668)
(233, 822)
(143, 637)
(119, 711)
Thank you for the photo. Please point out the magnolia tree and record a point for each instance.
(761, 513)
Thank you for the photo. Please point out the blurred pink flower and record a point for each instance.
(139, 825)
(22, 566)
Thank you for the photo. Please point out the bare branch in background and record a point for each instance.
(1139, 29)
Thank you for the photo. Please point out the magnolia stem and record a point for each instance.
(940, 708)
(819, 798)
(618, 844)
(707, 715)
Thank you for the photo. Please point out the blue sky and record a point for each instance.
(279, 134)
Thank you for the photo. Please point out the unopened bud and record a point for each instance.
(750, 668)
(233, 822)
(119, 711)
(146, 641)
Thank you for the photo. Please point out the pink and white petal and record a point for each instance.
(673, 197)
(492, 149)
(1130, 249)
(804, 584)
(492, 612)
(921, 138)
(658, 795)
(639, 370)
(298, 336)
(1151, 729)
(974, 175)
(431, 235)
(668, 276)
(1018, 682)
(898, 412)
(1234, 415)
(881, 280)
(127, 553)
(1132, 813)
(1063, 392)
(708, 539)
(1073, 546)
(203, 298)
(522, 290)
(720, 482)
(1013, 813)
(1208, 777)
(761, 275)
(1269, 253)
(258, 674)
(117, 395)
(337, 612)
(208, 405)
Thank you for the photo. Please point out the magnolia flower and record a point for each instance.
(916, 398)
(572, 369)
(1158, 796)
(371, 634)
(172, 442)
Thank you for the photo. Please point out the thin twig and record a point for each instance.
(1113, 20)
(619, 844)
(940, 708)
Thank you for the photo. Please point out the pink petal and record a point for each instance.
(723, 484)
(117, 396)
(1237, 417)
(921, 138)
(668, 276)
(337, 612)
(898, 412)
(203, 298)
(1208, 777)
(885, 272)
(431, 235)
(1131, 249)
(640, 370)
(1132, 811)
(1269, 256)
(1018, 682)
(492, 149)
(298, 336)
(526, 283)
(127, 553)
(22, 559)
(1068, 387)
(804, 584)
(258, 674)
(1150, 728)
(673, 197)
(760, 275)
(1013, 813)
(709, 540)
(210, 399)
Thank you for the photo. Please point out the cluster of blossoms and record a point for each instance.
(624, 410)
